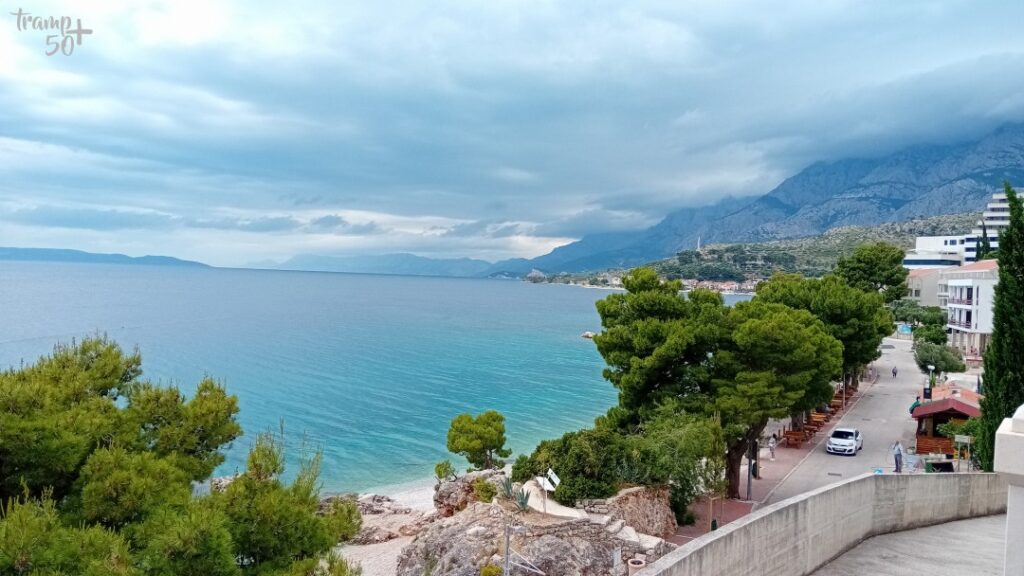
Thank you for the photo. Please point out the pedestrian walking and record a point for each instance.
(772, 443)
(894, 372)
(897, 454)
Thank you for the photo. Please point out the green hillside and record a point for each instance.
(811, 256)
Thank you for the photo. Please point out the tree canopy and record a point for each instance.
(858, 319)
(875, 267)
(1004, 355)
(97, 469)
(754, 361)
(909, 311)
(481, 440)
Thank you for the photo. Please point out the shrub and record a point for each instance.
(522, 469)
(930, 333)
(484, 490)
(444, 470)
(576, 488)
(490, 570)
(944, 358)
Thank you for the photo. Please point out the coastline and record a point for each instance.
(416, 494)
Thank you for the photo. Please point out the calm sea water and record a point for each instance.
(369, 369)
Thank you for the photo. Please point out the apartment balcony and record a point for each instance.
(961, 301)
(960, 324)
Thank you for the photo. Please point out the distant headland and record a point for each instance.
(66, 255)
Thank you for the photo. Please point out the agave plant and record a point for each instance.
(521, 498)
(506, 488)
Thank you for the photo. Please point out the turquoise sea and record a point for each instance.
(368, 368)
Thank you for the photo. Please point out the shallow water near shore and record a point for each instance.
(369, 369)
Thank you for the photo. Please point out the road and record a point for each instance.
(882, 415)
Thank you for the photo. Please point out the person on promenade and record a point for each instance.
(894, 372)
(772, 443)
(897, 454)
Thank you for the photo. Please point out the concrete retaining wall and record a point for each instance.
(795, 537)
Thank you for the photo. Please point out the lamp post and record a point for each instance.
(931, 368)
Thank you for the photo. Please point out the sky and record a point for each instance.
(235, 132)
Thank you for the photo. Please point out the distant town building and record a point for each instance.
(536, 276)
(969, 293)
(945, 251)
(996, 218)
(923, 286)
(936, 252)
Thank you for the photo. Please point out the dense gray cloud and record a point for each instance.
(465, 128)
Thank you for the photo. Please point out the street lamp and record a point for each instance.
(931, 369)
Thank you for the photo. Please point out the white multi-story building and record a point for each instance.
(969, 293)
(996, 218)
(936, 252)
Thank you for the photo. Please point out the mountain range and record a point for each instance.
(917, 182)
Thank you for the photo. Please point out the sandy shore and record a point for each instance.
(418, 495)
(382, 559)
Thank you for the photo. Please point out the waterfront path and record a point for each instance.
(972, 547)
(882, 415)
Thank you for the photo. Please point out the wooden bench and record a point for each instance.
(794, 438)
(819, 418)
(837, 404)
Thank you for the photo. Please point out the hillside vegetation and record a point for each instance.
(812, 256)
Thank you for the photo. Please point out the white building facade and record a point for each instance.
(996, 218)
(936, 252)
(969, 293)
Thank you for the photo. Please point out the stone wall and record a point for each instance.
(795, 537)
(646, 509)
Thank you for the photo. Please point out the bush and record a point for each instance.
(943, 358)
(444, 470)
(490, 570)
(576, 488)
(930, 333)
(522, 469)
(484, 490)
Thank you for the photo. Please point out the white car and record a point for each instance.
(844, 441)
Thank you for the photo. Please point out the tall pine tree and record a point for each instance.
(983, 245)
(1004, 356)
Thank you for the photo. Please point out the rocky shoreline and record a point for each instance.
(460, 534)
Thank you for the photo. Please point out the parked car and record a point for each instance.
(845, 441)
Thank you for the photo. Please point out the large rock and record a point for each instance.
(646, 509)
(452, 496)
(461, 544)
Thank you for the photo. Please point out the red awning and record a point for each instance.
(947, 405)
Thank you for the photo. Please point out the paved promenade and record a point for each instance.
(880, 411)
(882, 415)
(973, 547)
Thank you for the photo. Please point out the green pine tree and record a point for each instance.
(1004, 356)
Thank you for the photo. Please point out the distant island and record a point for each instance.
(66, 255)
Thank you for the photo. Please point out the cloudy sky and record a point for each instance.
(235, 131)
